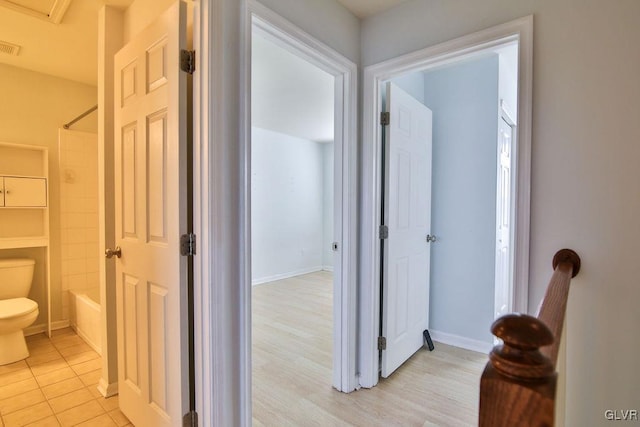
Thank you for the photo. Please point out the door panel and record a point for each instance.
(405, 293)
(150, 191)
(130, 328)
(157, 175)
(128, 195)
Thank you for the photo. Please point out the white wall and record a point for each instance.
(33, 107)
(586, 101)
(464, 102)
(412, 83)
(80, 253)
(289, 94)
(287, 197)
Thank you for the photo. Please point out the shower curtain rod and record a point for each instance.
(81, 116)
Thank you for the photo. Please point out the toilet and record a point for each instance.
(16, 310)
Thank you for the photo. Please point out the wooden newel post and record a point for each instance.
(518, 385)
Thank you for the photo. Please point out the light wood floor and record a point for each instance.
(292, 344)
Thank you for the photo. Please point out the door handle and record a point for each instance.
(109, 253)
(431, 238)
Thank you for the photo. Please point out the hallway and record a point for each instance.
(292, 327)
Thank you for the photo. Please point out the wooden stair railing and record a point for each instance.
(518, 385)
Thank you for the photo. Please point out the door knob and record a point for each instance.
(109, 253)
(431, 238)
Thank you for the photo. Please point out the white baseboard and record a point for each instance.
(106, 389)
(42, 327)
(462, 342)
(35, 329)
(275, 277)
(327, 268)
(59, 324)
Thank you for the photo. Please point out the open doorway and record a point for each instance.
(79, 206)
(302, 217)
(475, 90)
(292, 235)
(466, 235)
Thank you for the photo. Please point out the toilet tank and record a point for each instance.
(15, 277)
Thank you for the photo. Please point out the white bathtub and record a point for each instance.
(84, 316)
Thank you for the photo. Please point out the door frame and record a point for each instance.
(110, 40)
(505, 113)
(520, 30)
(222, 204)
(291, 38)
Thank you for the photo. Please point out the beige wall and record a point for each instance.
(585, 174)
(33, 107)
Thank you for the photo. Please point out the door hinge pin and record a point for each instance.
(188, 244)
(383, 232)
(382, 343)
(190, 419)
(188, 61)
(385, 118)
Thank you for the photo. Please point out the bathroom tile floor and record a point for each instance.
(56, 386)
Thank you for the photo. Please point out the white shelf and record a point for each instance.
(25, 176)
(23, 207)
(27, 226)
(23, 242)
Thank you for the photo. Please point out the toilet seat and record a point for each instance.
(16, 307)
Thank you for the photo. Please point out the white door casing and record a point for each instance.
(150, 190)
(407, 212)
(520, 31)
(503, 274)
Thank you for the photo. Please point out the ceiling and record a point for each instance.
(289, 95)
(35, 7)
(292, 96)
(67, 49)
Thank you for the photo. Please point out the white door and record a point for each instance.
(151, 202)
(503, 221)
(407, 212)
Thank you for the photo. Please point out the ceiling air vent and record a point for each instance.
(9, 48)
